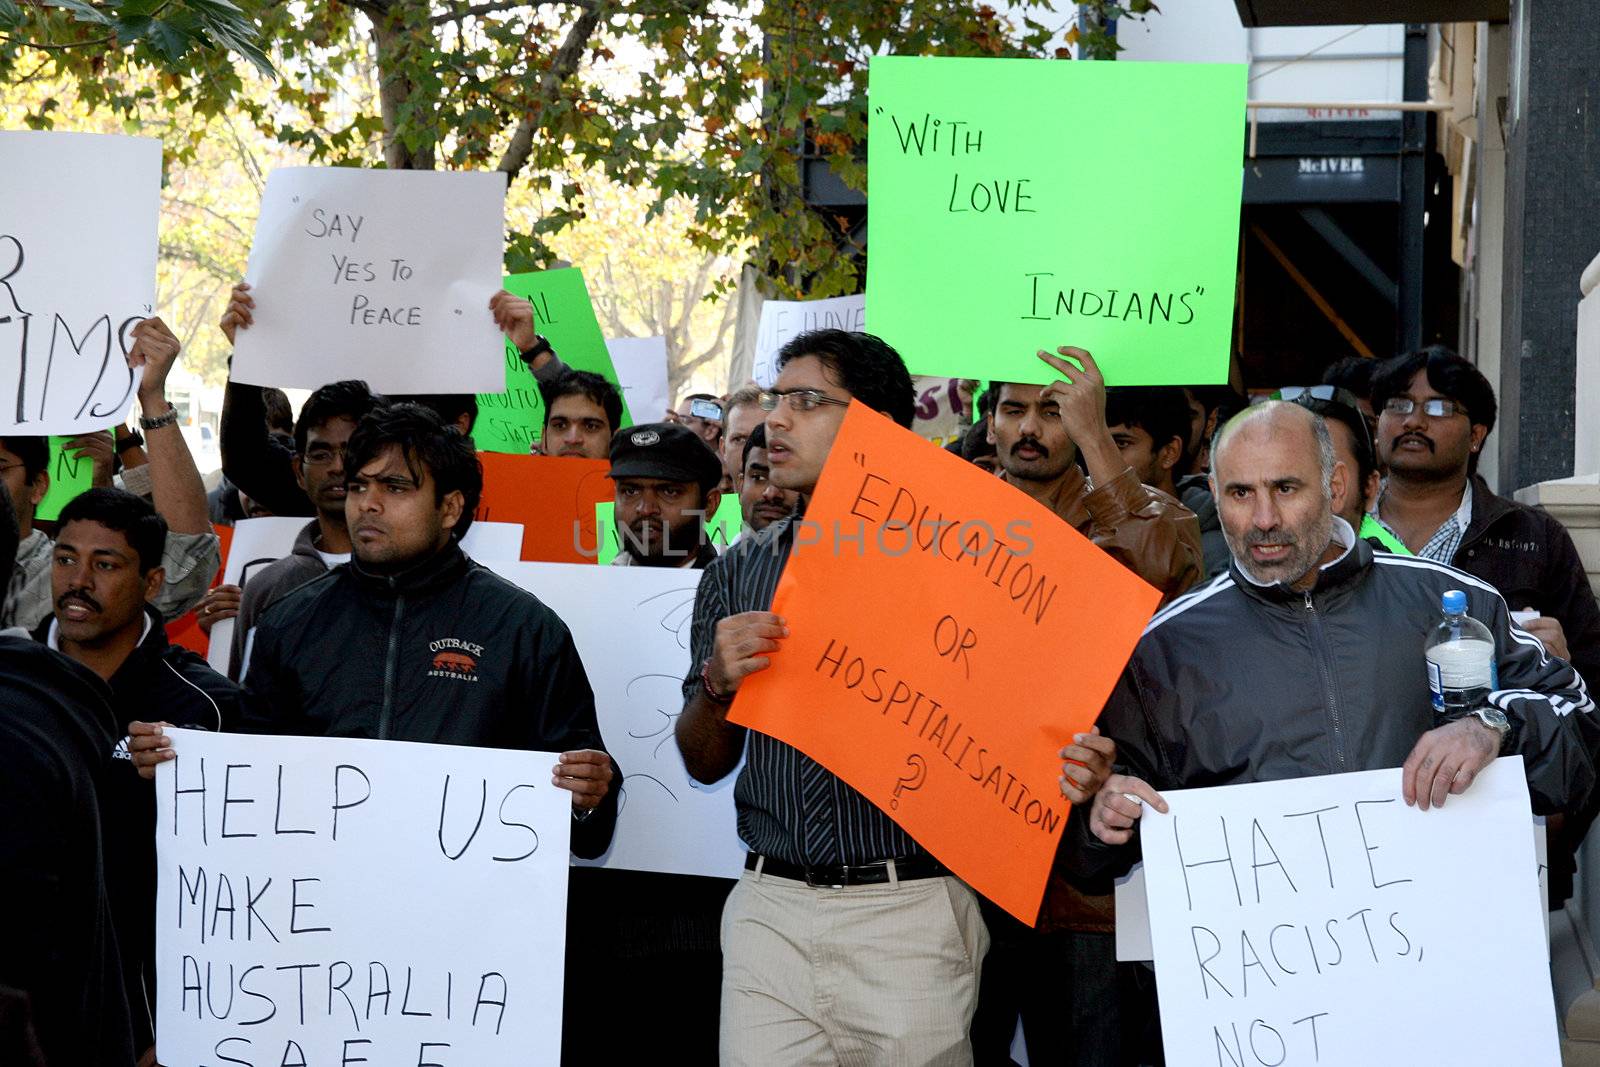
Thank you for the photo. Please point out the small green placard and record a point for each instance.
(511, 421)
(724, 526)
(69, 476)
(1022, 204)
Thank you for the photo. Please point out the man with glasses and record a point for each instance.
(1434, 411)
(844, 941)
(1352, 446)
(321, 433)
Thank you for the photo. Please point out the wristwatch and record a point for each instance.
(541, 345)
(167, 419)
(1494, 719)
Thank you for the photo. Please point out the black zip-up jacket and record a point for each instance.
(56, 732)
(1235, 682)
(158, 682)
(1528, 555)
(446, 652)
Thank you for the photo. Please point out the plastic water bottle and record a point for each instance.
(1460, 654)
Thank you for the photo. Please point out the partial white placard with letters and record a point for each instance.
(381, 275)
(78, 243)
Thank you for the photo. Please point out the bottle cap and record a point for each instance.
(1454, 602)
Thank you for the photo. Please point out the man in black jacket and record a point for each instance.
(105, 567)
(321, 435)
(414, 641)
(1436, 502)
(1325, 641)
(57, 732)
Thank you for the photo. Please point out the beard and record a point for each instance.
(653, 542)
(1306, 546)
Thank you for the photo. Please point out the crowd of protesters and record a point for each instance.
(845, 941)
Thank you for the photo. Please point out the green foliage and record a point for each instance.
(158, 32)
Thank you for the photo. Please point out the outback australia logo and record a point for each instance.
(454, 658)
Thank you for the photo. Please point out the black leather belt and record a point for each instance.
(839, 875)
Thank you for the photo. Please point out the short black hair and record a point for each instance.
(975, 443)
(10, 538)
(426, 439)
(132, 516)
(448, 406)
(1161, 411)
(1223, 399)
(865, 365)
(33, 451)
(757, 439)
(280, 416)
(349, 399)
(583, 383)
(1449, 373)
(1353, 373)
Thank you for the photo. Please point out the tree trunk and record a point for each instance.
(393, 27)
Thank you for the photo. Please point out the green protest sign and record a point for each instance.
(1022, 204)
(511, 421)
(69, 476)
(724, 525)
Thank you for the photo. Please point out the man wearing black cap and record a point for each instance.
(667, 482)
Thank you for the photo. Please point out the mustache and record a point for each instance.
(1270, 537)
(76, 597)
(1414, 436)
(1031, 442)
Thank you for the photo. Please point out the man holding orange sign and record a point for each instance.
(846, 938)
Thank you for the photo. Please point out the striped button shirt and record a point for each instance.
(836, 825)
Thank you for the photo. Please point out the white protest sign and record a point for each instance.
(1322, 920)
(641, 365)
(784, 319)
(342, 900)
(256, 544)
(382, 275)
(260, 542)
(486, 541)
(631, 626)
(78, 243)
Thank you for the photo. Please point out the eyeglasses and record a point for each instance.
(322, 455)
(799, 399)
(1435, 407)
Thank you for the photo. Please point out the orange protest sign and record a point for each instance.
(948, 636)
(553, 497)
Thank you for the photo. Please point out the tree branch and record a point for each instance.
(562, 67)
(479, 10)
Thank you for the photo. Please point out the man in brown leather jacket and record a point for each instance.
(1038, 432)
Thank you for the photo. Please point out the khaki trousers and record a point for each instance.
(862, 976)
